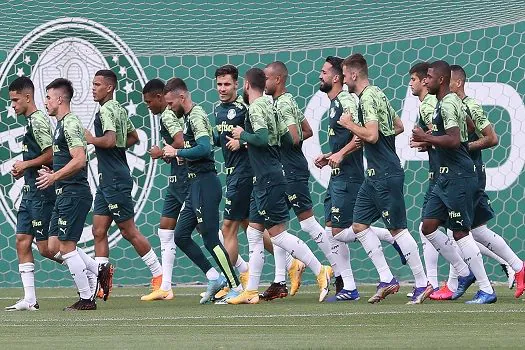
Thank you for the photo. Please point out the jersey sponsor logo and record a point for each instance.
(36, 223)
(454, 215)
(224, 127)
(74, 48)
(113, 206)
(231, 114)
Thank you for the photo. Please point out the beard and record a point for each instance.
(245, 97)
(325, 87)
(179, 112)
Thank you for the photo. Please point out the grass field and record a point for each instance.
(298, 322)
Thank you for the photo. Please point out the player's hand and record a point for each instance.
(418, 135)
(232, 144)
(346, 120)
(335, 159)
(169, 151)
(358, 142)
(89, 136)
(321, 161)
(18, 169)
(236, 132)
(155, 152)
(46, 178)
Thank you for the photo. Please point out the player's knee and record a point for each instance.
(23, 242)
(99, 233)
(427, 228)
(359, 227)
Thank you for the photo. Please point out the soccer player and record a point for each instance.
(381, 194)
(201, 206)
(230, 112)
(34, 213)
(482, 136)
(269, 201)
(296, 129)
(113, 202)
(452, 198)
(418, 75)
(171, 129)
(73, 202)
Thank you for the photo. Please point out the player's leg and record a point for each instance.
(483, 212)
(342, 198)
(72, 212)
(206, 207)
(101, 223)
(365, 213)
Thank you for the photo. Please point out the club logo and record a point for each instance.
(75, 48)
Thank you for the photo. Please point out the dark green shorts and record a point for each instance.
(34, 217)
(69, 215)
(269, 203)
(339, 203)
(298, 194)
(431, 184)
(381, 198)
(452, 202)
(114, 200)
(201, 206)
(483, 211)
(237, 198)
(175, 197)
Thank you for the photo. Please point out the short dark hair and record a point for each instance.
(63, 84)
(175, 84)
(337, 67)
(256, 78)
(109, 75)
(442, 68)
(458, 69)
(22, 83)
(227, 69)
(358, 62)
(154, 86)
(420, 70)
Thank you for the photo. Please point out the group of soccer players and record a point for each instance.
(260, 134)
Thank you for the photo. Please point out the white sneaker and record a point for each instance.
(23, 305)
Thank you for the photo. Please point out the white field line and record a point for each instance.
(299, 315)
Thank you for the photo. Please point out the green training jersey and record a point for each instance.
(37, 139)
(425, 115)
(265, 160)
(69, 134)
(478, 116)
(292, 157)
(197, 125)
(381, 156)
(170, 125)
(351, 167)
(112, 162)
(227, 116)
(449, 113)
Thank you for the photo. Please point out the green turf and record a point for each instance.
(298, 322)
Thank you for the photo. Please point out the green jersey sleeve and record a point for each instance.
(108, 115)
(74, 132)
(42, 130)
(256, 115)
(426, 109)
(478, 115)
(348, 104)
(171, 122)
(449, 113)
(199, 123)
(129, 126)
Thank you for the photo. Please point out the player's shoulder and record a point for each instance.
(371, 94)
(239, 103)
(167, 114)
(260, 105)
(346, 99)
(198, 112)
(472, 103)
(451, 100)
(112, 106)
(430, 101)
(73, 122)
(286, 99)
(40, 118)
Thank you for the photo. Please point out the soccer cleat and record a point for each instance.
(482, 297)
(295, 272)
(213, 287)
(158, 294)
(100, 293)
(520, 282)
(339, 284)
(463, 284)
(420, 294)
(232, 293)
(23, 305)
(82, 304)
(156, 282)
(243, 277)
(221, 294)
(274, 291)
(246, 297)
(411, 294)
(442, 293)
(344, 295)
(384, 289)
(401, 255)
(323, 281)
(105, 279)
